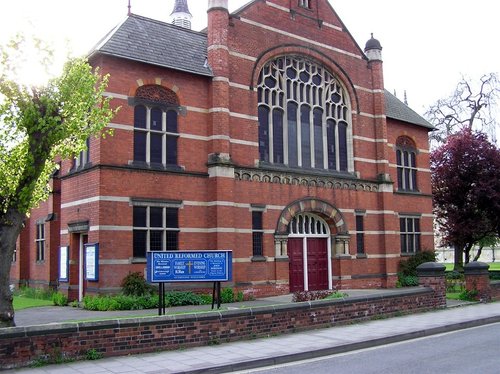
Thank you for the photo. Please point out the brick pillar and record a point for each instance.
(477, 278)
(431, 274)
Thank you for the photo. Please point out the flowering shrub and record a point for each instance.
(311, 295)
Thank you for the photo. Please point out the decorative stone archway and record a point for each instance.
(332, 216)
(337, 234)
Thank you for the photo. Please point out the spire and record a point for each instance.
(181, 15)
(129, 9)
(406, 98)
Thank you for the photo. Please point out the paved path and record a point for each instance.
(44, 315)
(286, 348)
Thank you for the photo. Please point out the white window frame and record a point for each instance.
(40, 242)
(412, 237)
(148, 228)
(163, 132)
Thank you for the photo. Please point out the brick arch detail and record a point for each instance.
(324, 209)
(314, 55)
(155, 82)
(405, 141)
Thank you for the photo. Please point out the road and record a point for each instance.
(475, 350)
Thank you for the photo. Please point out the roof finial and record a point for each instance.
(406, 99)
(181, 15)
(373, 49)
(129, 7)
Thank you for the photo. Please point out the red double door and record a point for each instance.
(317, 264)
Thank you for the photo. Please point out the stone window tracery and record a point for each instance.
(304, 116)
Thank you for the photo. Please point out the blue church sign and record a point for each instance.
(189, 266)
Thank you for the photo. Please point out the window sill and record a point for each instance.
(409, 192)
(159, 167)
(361, 255)
(74, 170)
(138, 260)
(258, 259)
(408, 254)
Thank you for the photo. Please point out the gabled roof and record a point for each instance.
(158, 43)
(153, 42)
(396, 109)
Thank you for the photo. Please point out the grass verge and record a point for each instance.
(21, 302)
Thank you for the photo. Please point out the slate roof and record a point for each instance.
(396, 109)
(154, 42)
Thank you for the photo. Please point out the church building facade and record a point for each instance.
(269, 134)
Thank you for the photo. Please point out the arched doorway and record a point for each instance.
(309, 252)
(307, 234)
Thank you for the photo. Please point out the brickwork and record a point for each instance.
(495, 291)
(477, 279)
(218, 176)
(24, 345)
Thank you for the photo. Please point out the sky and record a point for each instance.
(428, 45)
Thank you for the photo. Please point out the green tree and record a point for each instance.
(37, 126)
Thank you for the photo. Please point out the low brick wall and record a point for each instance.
(22, 346)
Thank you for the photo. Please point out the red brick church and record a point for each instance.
(269, 134)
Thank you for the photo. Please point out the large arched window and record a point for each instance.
(155, 126)
(303, 114)
(406, 154)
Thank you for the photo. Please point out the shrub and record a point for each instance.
(239, 296)
(179, 298)
(93, 354)
(134, 284)
(407, 275)
(407, 280)
(59, 299)
(120, 302)
(494, 275)
(227, 295)
(469, 295)
(310, 295)
(409, 266)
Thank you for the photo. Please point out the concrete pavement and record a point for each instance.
(286, 348)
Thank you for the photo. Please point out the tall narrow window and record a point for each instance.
(406, 164)
(155, 126)
(305, 4)
(304, 119)
(410, 234)
(83, 158)
(257, 234)
(360, 234)
(40, 242)
(156, 228)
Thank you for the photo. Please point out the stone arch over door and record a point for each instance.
(324, 209)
